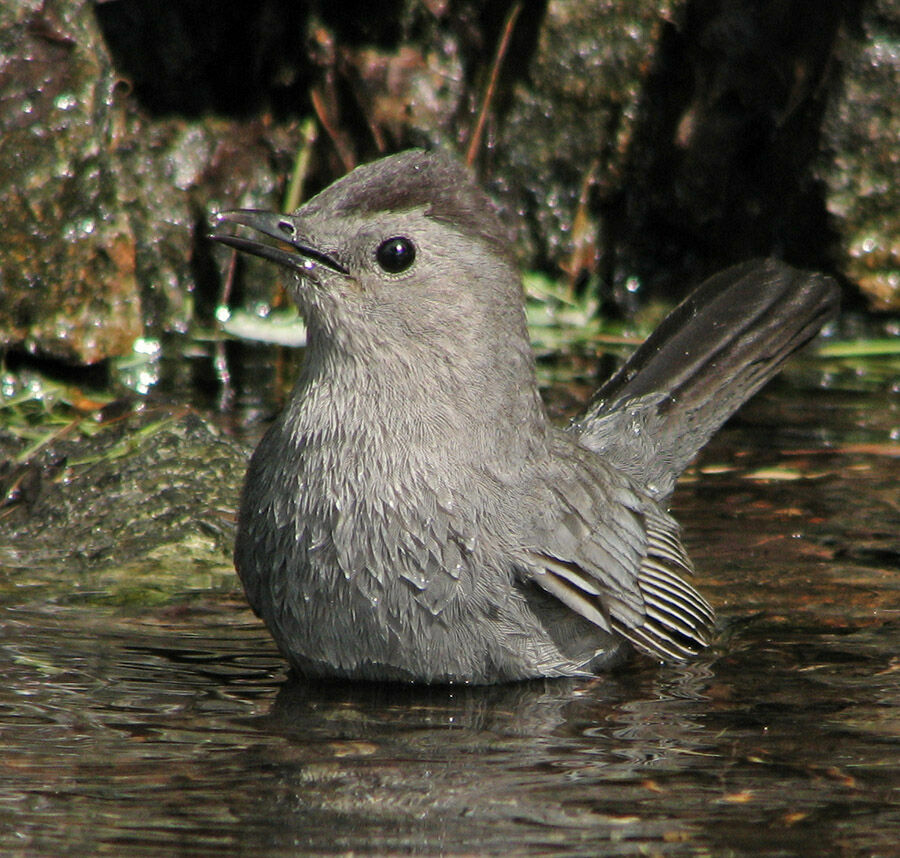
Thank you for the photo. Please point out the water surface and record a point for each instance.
(172, 729)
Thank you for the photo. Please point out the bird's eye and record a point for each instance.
(396, 254)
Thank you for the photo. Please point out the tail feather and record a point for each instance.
(711, 354)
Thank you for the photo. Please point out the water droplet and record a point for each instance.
(147, 346)
(65, 101)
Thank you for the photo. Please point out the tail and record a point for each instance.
(710, 354)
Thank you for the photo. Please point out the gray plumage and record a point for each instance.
(412, 514)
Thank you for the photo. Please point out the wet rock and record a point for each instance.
(567, 129)
(67, 262)
(142, 483)
(720, 165)
(861, 154)
(638, 145)
(104, 207)
(174, 173)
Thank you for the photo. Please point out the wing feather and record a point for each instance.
(609, 553)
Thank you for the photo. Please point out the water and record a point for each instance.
(172, 729)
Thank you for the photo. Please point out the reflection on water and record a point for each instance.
(175, 731)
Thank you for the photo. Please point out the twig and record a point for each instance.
(502, 48)
(294, 195)
(343, 150)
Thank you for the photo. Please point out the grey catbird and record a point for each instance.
(412, 514)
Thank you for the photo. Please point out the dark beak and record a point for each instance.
(300, 257)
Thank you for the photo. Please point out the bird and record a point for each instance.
(413, 515)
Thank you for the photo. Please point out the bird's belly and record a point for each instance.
(359, 629)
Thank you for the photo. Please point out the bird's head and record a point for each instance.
(407, 249)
